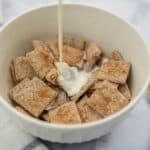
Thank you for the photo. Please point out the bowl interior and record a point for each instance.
(109, 31)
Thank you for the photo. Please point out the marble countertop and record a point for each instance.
(134, 132)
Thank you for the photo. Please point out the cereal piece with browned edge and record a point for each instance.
(93, 55)
(12, 71)
(72, 56)
(124, 89)
(99, 83)
(44, 116)
(75, 42)
(96, 85)
(107, 100)
(114, 71)
(52, 76)
(79, 43)
(41, 62)
(18, 108)
(116, 55)
(65, 114)
(82, 63)
(68, 40)
(18, 87)
(22, 69)
(59, 100)
(33, 95)
(87, 114)
(53, 46)
(38, 44)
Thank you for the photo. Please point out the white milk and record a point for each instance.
(60, 30)
(70, 78)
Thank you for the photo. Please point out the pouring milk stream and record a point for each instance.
(70, 78)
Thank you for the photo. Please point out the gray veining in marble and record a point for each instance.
(134, 132)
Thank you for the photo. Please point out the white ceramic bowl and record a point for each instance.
(108, 30)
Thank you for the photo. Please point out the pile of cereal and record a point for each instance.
(37, 91)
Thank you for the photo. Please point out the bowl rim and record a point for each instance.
(37, 122)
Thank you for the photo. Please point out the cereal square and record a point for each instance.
(22, 69)
(93, 55)
(41, 62)
(114, 71)
(18, 87)
(65, 114)
(107, 100)
(72, 56)
(33, 95)
(87, 114)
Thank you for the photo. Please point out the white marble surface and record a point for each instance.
(134, 132)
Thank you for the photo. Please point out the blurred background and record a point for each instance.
(133, 133)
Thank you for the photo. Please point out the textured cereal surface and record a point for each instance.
(114, 71)
(107, 100)
(65, 114)
(53, 46)
(75, 42)
(93, 55)
(72, 56)
(41, 61)
(116, 55)
(33, 95)
(59, 100)
(23, 69)
(87, 114)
